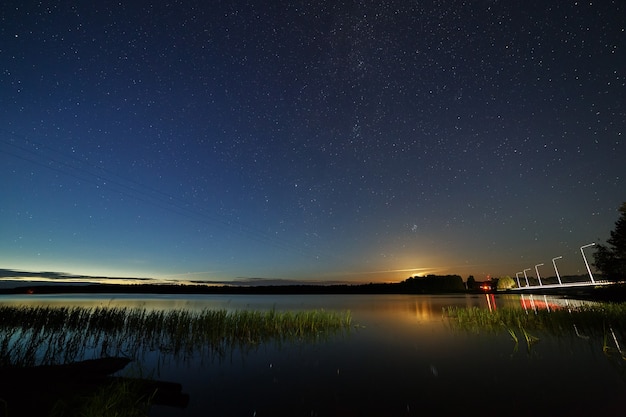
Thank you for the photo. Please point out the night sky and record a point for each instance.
(329, 141)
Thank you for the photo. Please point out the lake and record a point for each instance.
(400, 358)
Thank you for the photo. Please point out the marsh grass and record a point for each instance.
(605, 321)
(32, 336)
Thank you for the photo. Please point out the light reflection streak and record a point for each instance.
(528, 302)
(491, 301)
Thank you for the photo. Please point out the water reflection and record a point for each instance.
(401, 360)
(398, 307)
(544, 302)
(402, 307)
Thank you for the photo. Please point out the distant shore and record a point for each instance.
(374, 288)
(615, 293)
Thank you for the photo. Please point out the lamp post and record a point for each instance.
(537, 271)
(556, 270)
(593, 281)
(526, 276)
(517, 277)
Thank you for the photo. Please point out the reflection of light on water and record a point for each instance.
(528, 302)
(617, 345)
(414, 309)
(402, 350)
(549, 303)
(423, 311)
(143, 301)
(578, 333)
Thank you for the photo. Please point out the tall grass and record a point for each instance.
(584, 321)
(51, 335)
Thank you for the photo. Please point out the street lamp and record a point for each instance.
(593, 281)
(556, 270)
(537, 271)
(517, 277)
(526, 276)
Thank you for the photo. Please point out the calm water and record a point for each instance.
(400, 359)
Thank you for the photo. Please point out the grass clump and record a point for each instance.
(32, 336)
(587, 320)
(37, 339)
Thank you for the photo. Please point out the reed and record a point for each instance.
(47, 335)
(585, 321)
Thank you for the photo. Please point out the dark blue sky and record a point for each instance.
(351, 141)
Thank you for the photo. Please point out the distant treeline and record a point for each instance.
(414, 285)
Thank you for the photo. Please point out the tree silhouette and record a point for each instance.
(610, 259)
(471, 282)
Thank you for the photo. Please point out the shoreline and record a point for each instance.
(614, 293)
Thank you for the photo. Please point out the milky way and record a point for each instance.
(354, 141)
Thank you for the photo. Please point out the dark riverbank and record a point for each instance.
(224, 289)
(430, 284)
(613, 293)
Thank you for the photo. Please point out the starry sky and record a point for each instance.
(331, 141)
